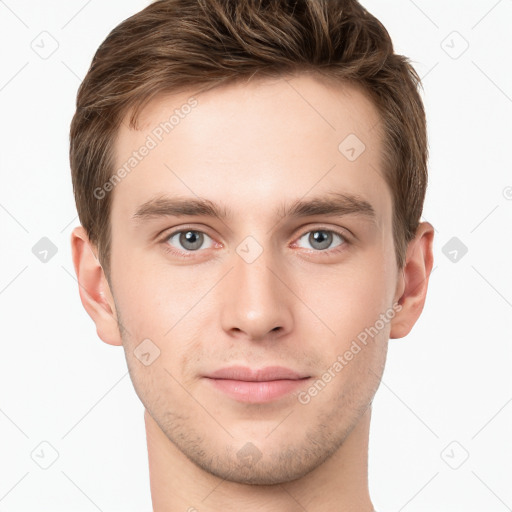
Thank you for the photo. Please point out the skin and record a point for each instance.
(254, 148)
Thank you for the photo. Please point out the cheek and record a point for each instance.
(357, 310)
(161, 307)
(148, 299)
(349, 300)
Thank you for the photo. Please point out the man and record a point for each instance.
(250, 178)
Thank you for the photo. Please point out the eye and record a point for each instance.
(186, 242)
(321, 239)
(188, 239)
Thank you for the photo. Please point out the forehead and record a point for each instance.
(254, 145)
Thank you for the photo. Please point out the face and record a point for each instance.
(296, 271)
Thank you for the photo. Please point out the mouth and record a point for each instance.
(263, 385)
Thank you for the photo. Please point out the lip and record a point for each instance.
(244, 373)
(256, 385)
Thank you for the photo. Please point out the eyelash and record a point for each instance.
(188, 254)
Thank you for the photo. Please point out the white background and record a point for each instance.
(446, 393)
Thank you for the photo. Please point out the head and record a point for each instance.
(286, 114)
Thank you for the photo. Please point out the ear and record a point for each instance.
(413, 282)
(93, 288)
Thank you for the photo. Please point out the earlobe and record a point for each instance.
(93, 288)
(413, 281)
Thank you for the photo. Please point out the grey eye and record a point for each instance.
(190, 240)
(321, 239)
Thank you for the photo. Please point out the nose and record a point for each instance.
(257, 303)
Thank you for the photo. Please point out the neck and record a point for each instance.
(340, 483)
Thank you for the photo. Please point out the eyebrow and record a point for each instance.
(332, 204)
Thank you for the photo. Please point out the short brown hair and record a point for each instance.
(175, 45)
